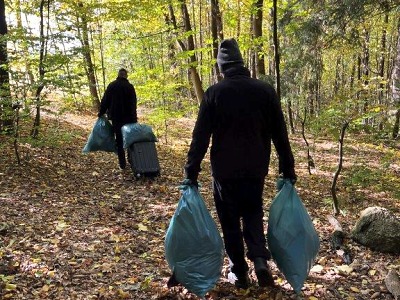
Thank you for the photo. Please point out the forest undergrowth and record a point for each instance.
(73, 226)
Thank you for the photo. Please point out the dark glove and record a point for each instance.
(281, 181)
(291, 175)
(190, 182)
(100, 115)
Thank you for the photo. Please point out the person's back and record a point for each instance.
(245, 119)
(243, 115)
(121, 102)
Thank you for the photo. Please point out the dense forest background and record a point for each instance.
(332, 62)
(72, 226)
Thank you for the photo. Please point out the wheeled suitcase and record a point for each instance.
(144, 159)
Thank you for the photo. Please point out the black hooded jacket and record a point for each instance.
(243, 116)
(119, 102)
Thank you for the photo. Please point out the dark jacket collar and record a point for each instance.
(238, 70)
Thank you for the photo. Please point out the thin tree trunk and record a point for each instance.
(365, 65)
(90, 72)
(257, 33)
(215, 28)
(277, 67)
(395, 87)
(194, 75)
(276, 50)
(310, 161)
(336, 209)
(239, 14)
(42, 71)
(382, 62)
(5, 93)
(16, 132)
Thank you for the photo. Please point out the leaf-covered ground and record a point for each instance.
(73, 226)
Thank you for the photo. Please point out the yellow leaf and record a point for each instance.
(354, 289)
(142, 227)
(313, 298)
(345, 269)
(10, 287)
(45, 288)
(122, 294)
(116, 196)
(115, 238)
(51, 273)
(117, 258)
(61, 226)
(372, 272)
(132, 280)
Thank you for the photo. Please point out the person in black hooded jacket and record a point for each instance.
(242, 115)
(119, 102)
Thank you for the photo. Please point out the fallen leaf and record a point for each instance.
(317, 269)
(142, 227)
(354, 289)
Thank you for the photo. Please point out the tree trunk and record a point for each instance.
(257, 34)
(194, 75)
(395, 87)
(89, 67)
(382, 85)
(336, 209)
(216, 32)
(238, 18)
(276, 50)
(42, 72)
(277, 67)
(5, 93)
(365, 73)
(310, 161)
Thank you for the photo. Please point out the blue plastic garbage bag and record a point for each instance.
(193, 246)
(135, 132)
(292, 238)
(101, 138)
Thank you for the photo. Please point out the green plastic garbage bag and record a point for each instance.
(101, 138)
(193, 246)
(292, 238)
(135, 132)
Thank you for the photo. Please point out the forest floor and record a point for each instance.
(73, 226)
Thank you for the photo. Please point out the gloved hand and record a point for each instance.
(190, 182)
(281, 181)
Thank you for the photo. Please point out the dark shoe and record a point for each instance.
(172, 281)
(263, 273)
(242, 281)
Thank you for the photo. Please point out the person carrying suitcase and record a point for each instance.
(120, 104)
(242, 115)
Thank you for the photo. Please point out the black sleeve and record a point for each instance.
(105, 101)
(134, 103)
(281, 140)
(200, 139)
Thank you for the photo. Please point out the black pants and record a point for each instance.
(120, 144)
(241, 200)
